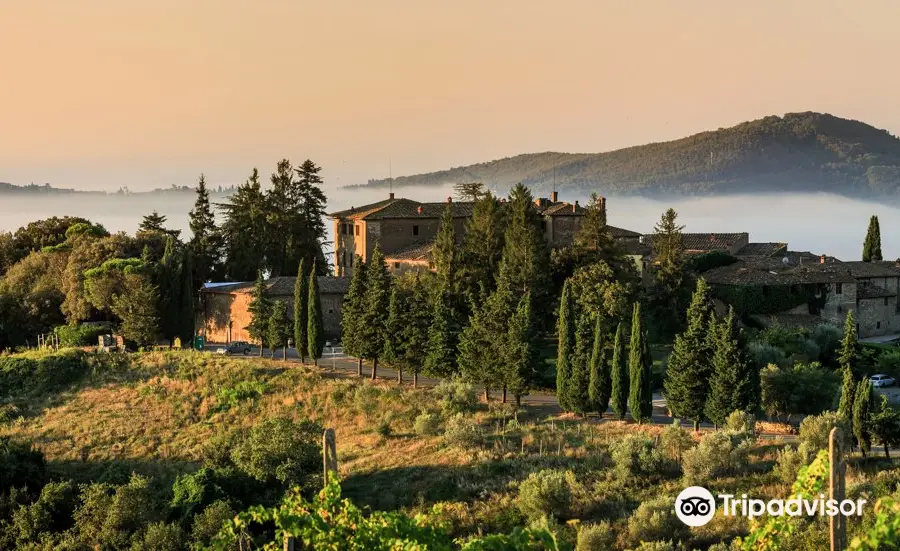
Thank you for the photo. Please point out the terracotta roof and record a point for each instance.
(621, 233)
(773, 271)
(634, 248)
(862, 269)
(283, 286)
(707, 241)
(762, 249)
(416, 251)
(870, 290)
(562, 208)
(405, 208)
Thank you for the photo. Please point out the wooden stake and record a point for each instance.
(329, 454)
(836, 468)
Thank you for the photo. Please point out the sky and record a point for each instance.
(98, 94)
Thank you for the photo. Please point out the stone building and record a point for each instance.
(877, 306)
(225, 314)
(405, 230)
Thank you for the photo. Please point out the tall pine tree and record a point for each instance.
(168, 282)
(443, 255)
(688, 370)
(520, 355)
(600, 388)
(525, 265)
(352, 310)
(734, 384)
(482, 249)
(188, 310)
(260, 310)
(206, 241)
(565, 328)
(443, 336)
(301, 299)
(310, 200)
(398, 310)
(640, 396)
(872, 244)
(245, 230)
(315, 332)
(409, 317)
(487, 329)
(619, 396)
(373, 321)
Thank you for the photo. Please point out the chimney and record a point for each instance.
(419, 210)
(449, 199)
(554, 196)
(603, 205)
(822, 259)
(391, 195)
(575, 207)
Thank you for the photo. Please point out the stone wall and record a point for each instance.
(560, 231)
(877, 316)
(838, 304)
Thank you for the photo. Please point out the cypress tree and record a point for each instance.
(519, 352)
(482, 249)
(565, 328)
(278, 328)
(733, 385)
(488, 328)
(619, 375)
(872, 244)
(640, 398)
(315, 330)
(244, 230)
(187, 329)
(415, 332)
(600, 387)
(862, 411)
(846, 356)
(373, 321)
(168, 282)
(443, 336)
(525, 265)
(260, 311)
(301, 298)
(398, 311)
(443, 255)
(687, 374)
(351, 313)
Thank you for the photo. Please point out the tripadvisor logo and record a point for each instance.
(696, 506)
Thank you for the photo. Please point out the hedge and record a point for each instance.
(769, 299)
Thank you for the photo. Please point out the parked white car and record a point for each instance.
(881, 380)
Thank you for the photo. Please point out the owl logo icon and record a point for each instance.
(695, 506)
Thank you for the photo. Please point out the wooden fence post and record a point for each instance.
(329, 454)
(836, 467)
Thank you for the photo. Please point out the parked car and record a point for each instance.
(236, 347)
(881, 380)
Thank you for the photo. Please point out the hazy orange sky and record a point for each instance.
(149, 93)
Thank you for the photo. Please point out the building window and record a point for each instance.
(544, 225)
(415, 230)
(840, 309)
(885, 301)
(330, 311)
(396, 265)
(857, 329)
(877, 325)
(357, 230)
(838, 288)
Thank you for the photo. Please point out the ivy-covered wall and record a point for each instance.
(770, 299)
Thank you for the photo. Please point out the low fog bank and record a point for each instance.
(820, 223)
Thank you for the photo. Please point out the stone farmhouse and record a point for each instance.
(225, 315)
(405, 230)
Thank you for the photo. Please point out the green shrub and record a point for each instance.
(815, 429)
(109, 516)
(191, 492)
(655, 520)
(20, 465)
(635, 456)
(384, 428)
(9, 413)
(788, 463)
(427, 424)
(804, 389)
(79, 335)
(463, 432)
(719, 453)
(208, 523)
(245, 390)
(593, 537)
(545, 493)
(280, 450)
(51, 512)
(160, 536)
(828, 338)
(456, 396)
(366, 399)
(39, 372)
(674, 441)
(763, 354)
(667, 545)
(741, 422)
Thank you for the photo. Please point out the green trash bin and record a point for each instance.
(199, 342)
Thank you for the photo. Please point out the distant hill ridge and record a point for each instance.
(800, 152)
(35, 189)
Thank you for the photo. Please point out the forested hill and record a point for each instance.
(46, 189)
(799, 152)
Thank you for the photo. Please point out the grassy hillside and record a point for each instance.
(166, 414)
(797, 152)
